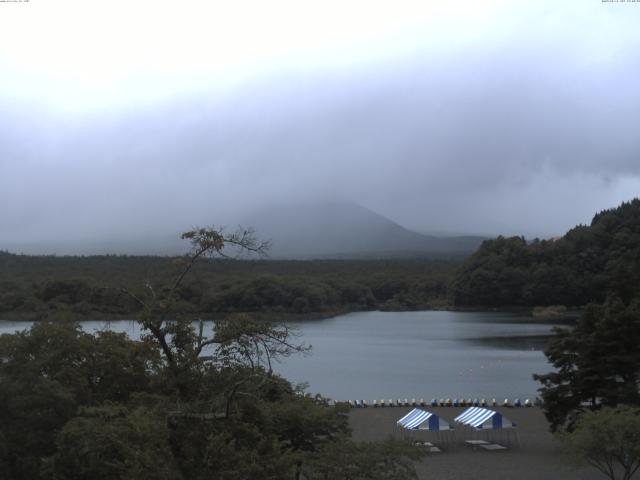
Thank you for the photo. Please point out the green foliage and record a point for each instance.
(306, 424)
(176, 405)
(35, 287)
(348, 460)
(597, 363)
(50, 371)
(609, 440)
(586, 265)
(111, 442)
(244, 452)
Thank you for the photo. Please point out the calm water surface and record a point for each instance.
(427, 354)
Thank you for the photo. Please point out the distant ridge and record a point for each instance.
(347, 230)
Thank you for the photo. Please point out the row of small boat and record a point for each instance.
(442, 402)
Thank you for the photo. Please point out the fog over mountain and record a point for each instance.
(301, 231)
(335, 230)
(470, 118)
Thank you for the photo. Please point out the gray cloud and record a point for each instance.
(529, 138)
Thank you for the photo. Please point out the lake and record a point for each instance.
(426, 354)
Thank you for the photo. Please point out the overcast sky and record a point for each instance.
(485, 117)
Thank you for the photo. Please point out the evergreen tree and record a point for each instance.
(597, 363)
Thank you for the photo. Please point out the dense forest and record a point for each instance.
(586, 265)
(34, 287)
(176, 404)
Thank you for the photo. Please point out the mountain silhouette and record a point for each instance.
(346, 230)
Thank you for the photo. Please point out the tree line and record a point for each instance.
(35, 287)
(586, 265)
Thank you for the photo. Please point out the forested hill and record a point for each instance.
(584, 266)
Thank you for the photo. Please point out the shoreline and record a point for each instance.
(537, 457)
(526, 312)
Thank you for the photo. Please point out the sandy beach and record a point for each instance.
(536, 456)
